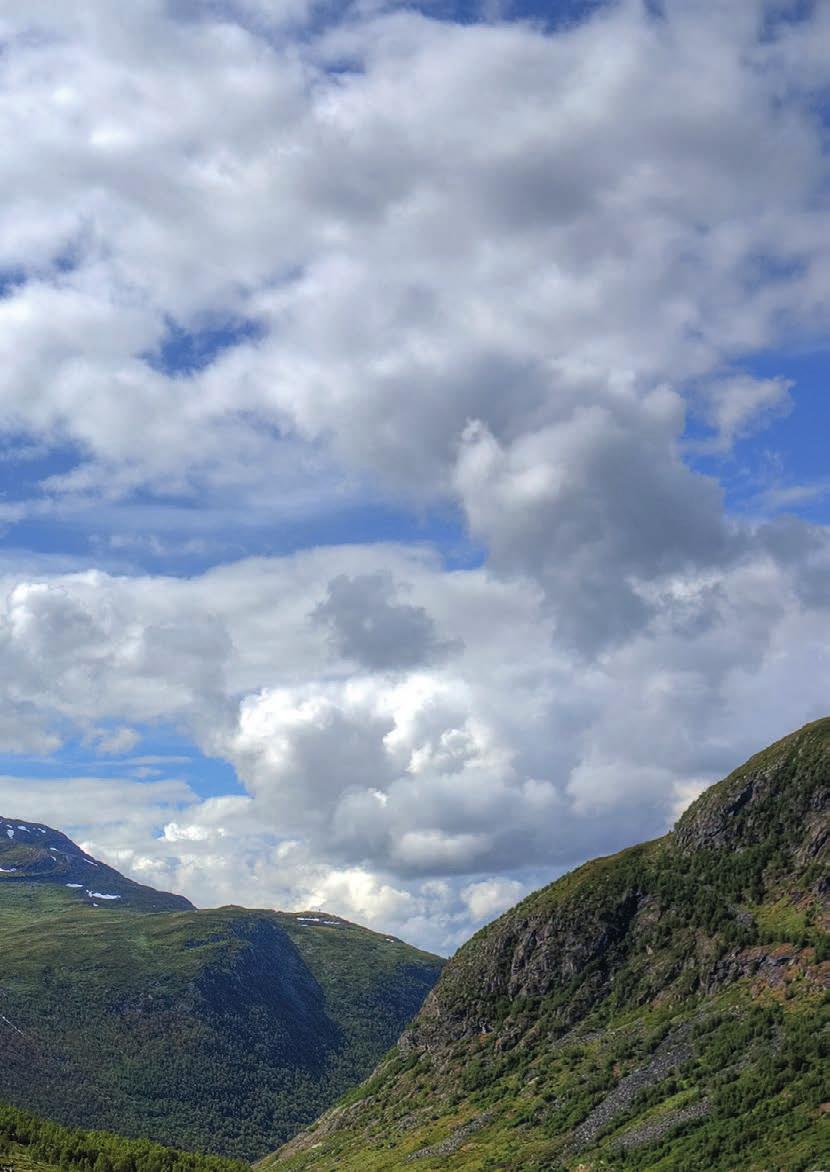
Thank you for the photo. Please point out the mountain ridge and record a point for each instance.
(665, 1007)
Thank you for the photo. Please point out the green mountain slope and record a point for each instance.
(665, 1008)
(30, 1144)
(222, 1030)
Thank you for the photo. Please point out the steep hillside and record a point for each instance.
(665, 1008)
(222, 1030)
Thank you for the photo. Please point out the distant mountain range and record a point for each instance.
(662, 1009)
(223, 1031)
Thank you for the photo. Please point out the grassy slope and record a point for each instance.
(220, 1030)
(665, 1008)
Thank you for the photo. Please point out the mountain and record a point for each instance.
(665, 1008)
(32, 854)
(126, 1009)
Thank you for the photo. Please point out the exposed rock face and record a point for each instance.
(654, 1130)
(586, 935)
(452, 1143)
(671, 1055)
(526, 957)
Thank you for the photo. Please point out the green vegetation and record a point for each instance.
(29, 1144)
(221, 1031)
(665, 1008)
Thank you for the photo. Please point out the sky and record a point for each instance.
(413, 434)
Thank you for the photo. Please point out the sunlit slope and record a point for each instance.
(665, 1008)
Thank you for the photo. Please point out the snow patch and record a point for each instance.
(75, 885)
(101, 895)
(10, 832)
(9, 870)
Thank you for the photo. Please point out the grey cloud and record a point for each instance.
(595, 509)
(803, 549)
(86, 647)
(367, 624)
(739, 405)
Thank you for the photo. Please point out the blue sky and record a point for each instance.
(412, 434)
(795, 448)
(789, 453)
(167, 753)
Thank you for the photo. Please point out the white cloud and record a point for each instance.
(735, 407)
(91, 807)
(115, 742)
(407, 272)
(488, 897)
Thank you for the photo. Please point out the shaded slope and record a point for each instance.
(221, 1030)
(662, 1008)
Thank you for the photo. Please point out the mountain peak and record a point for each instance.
(34, 856)
(779, 796)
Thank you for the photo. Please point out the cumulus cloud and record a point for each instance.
(408, 776)
(386, 259)
(412, 802)
(593, 508)
(76, 650)
(405, 272)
